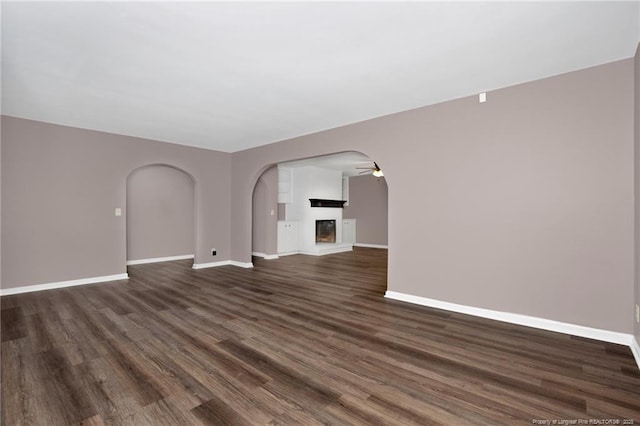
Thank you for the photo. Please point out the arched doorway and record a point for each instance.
(160, 214)
(282, 207)
(265, 215)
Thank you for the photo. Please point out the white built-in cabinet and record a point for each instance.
(285, 185)
(349, 231)
(288, 236)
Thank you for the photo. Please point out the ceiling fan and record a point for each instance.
(375, 170)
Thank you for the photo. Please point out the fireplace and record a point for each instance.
(326, 231)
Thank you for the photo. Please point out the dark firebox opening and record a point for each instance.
(325, 231)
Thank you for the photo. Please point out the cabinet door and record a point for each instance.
(287, 237)
(349, 231)
(294, 234)
(282, 237)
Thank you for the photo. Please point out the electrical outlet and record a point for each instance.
(213, 252)
(637, 313)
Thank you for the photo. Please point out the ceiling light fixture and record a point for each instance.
(377, 172)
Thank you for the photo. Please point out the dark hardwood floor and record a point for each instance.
(298, 340)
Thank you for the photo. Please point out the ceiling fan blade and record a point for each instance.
(365, 172)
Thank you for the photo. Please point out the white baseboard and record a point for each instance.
(241, 264)
(62, 284)
(535, 322)
(211, 264)
(635, 349)
(159, 259)
(222, 263)
(264, 256)
(378, 246)
(288, 253)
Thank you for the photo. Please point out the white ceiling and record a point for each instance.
(349, 163)
(230, 76)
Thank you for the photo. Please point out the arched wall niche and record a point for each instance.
(160, 213)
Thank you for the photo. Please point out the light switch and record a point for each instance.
(273, 212)
(118, 211)
(482, 97)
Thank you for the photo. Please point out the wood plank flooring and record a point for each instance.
(298, 340)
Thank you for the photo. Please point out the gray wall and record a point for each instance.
(525, 202)
(60, 186)
(160, 213)
(258, 218)
(0, 202)
(265, 224)
(637, 181)
(368, 204)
